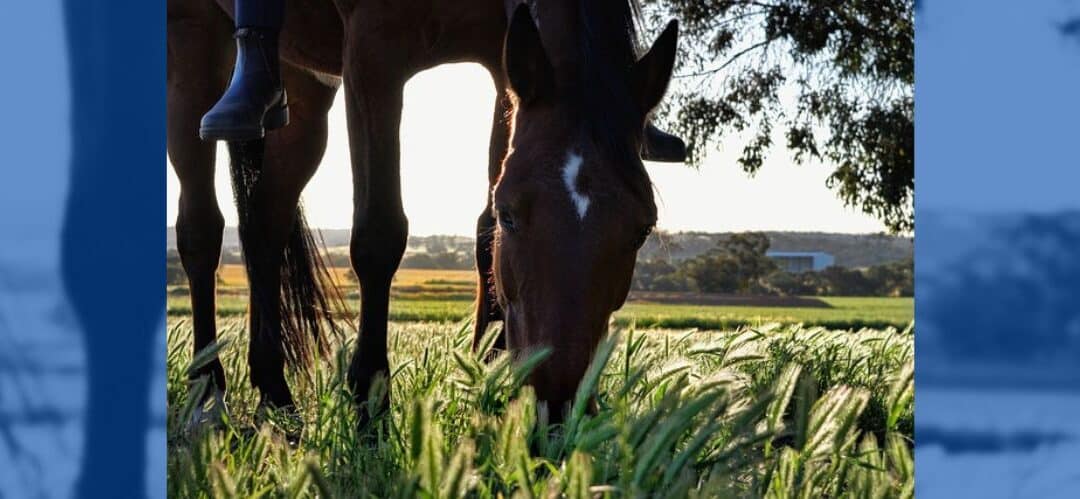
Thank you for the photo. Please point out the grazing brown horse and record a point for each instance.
(571, 201)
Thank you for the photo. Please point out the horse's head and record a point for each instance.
(574, 202)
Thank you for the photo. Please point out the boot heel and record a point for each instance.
(276, 117)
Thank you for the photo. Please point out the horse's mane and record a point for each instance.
(610, 46)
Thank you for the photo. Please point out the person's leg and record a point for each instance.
(260, 14)
(662, 146)
(255, 100)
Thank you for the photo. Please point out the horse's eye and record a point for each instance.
(506, 219)
(642, 237)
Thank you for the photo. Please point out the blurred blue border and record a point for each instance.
(997, 249)
(81, 280)
(81, 275)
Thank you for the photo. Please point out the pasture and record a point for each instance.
(447, 296)
(773, 411)
(693, 401)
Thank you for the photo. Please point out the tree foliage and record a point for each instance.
(835, 77)
(174, 271)
(738, 264)
(734, 265)
(890, 279)
(443, 260)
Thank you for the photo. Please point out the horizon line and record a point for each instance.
(680, 231)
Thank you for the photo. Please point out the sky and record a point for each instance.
(444, 133)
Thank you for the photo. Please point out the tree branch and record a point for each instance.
(727, 63)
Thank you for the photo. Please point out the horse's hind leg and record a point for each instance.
(291, 157)
(487, 309)
(198, 54)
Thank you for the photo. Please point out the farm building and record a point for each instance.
(801, 261)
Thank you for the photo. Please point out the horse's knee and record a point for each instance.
(377, 246)
(198, 241)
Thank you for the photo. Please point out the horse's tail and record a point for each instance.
(309, 300)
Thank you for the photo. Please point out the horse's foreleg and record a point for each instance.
(291, 157)
(380, 228)
(487, 309)
(199, 48)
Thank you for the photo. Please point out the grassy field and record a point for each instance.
(447, 295)
(775, 411)
(232, 276)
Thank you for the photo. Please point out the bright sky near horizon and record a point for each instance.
(444, 134)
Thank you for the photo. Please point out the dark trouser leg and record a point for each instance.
(662, 146)
(260, 14)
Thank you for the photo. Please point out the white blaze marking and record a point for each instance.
(570, 174)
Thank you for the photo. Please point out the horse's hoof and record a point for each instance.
(214, 416)
(286, 420)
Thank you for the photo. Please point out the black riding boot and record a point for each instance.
(255, 100)
(662, 146)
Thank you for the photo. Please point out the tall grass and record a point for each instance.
(777, 412)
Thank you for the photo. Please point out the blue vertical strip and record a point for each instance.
(82, 140)
(42, 366)
(111, 243)
(997, 249)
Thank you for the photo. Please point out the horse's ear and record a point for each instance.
(650, 75)
(527, 66)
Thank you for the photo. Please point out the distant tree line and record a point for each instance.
(174, 271)
(738, 265)
(892, 279)
(441, 260)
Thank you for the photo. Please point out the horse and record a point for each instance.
(570, 201)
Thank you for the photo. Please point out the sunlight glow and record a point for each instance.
(444, 143)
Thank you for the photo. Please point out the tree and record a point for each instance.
(748, 250)
(447, 260)
(846, 282)
(890, 279)
(734, 265)
(174, 271)
(793, 284)
(835, 76)
(893, 279)
(713, 273)
(646, 273)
